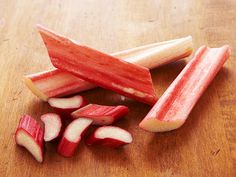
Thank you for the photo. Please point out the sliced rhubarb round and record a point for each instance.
(29, 134)
(65, 106)
(72, 136)
(110, 136)
(52, 126)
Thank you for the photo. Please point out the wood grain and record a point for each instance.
(204, 146)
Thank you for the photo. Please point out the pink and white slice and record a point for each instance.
(110, 136)
(52, 126)
(72, 136)
(29, 134)
(65, 106)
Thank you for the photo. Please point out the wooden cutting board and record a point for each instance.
(204, 146)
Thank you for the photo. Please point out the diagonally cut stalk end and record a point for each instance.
(36, 91)
(155, 125)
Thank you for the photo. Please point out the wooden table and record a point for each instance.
(204, 146)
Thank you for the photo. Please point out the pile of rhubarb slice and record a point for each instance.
(32, 136)
(79, 68)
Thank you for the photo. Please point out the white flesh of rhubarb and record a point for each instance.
(114, 133)
(25, 140)
(76, 128)
(52, 126)
(63, 103)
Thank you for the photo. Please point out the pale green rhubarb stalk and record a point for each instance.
(174, 106)
(58, 83)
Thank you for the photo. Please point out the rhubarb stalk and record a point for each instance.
(174, 106)
(57, 83)
(99, 68)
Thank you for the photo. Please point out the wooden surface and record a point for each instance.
(204, 146)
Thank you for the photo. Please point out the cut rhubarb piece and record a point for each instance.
(72, 136)
(52, 126)
(110, 136)
(29, 134)
(101, 114)
(65, 106)
(174, 106)
(98, 68)
(57, 83)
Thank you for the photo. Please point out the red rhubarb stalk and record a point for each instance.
(101, 69)
(174, 106)
(57, 83)
(29, 134)
(72, 136)
(65, 106)
(110, 136)
(101, 114)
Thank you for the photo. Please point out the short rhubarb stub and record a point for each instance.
(101, 114)
(76, 129)
(72, 136)
(52, 126)
(110, 136)
(73, 102)
(65, 106)
(29, 134)
(114, 133)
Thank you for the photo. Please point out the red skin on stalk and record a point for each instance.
(58, 83)
(98, 68)
(101, 114)
(174, 106)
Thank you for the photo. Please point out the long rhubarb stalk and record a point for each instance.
(57, 83)
(174, 106)
(99, 68)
